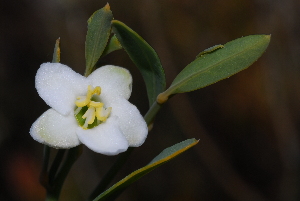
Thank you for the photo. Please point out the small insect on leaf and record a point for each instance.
(210, 50)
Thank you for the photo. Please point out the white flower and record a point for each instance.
(91, 110)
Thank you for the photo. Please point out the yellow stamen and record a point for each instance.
(102, 114)
(84, 100)
(89, 115)
(96, 104)
(95, 109)
(97, 90)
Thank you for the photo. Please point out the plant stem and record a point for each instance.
(55, 165)
(50, 197)
(150, 115)
(54, 191)
(44, 178)
(109, 176)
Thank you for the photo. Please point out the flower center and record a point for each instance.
(90, 112)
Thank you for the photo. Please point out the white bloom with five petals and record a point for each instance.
(92, 110)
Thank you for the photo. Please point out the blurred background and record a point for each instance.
(248, 124)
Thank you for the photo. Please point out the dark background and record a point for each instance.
(248, 124)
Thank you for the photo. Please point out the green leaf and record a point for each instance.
(99, 27)
(162, 158)
(56, 53)
(144, 57)
(113, 45)
(222, 63)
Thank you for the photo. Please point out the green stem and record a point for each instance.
(150, 115)
(44, 178)
(55, 165)
(50, 197)
(72, 155)
(112, 172)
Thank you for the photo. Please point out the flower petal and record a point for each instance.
(55, 130)
(106, 138)
(58, 85)
(131, 122)
(114, 81)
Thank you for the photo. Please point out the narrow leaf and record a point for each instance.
(222, 63)
(163, 157)
(56, 53)
(99, 27)
(144, 57)
(44, 176)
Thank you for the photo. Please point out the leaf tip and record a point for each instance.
(266, 37)
(196, 141)
(107, 7)
(115, 22)
(56, 54)
(57, 42)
